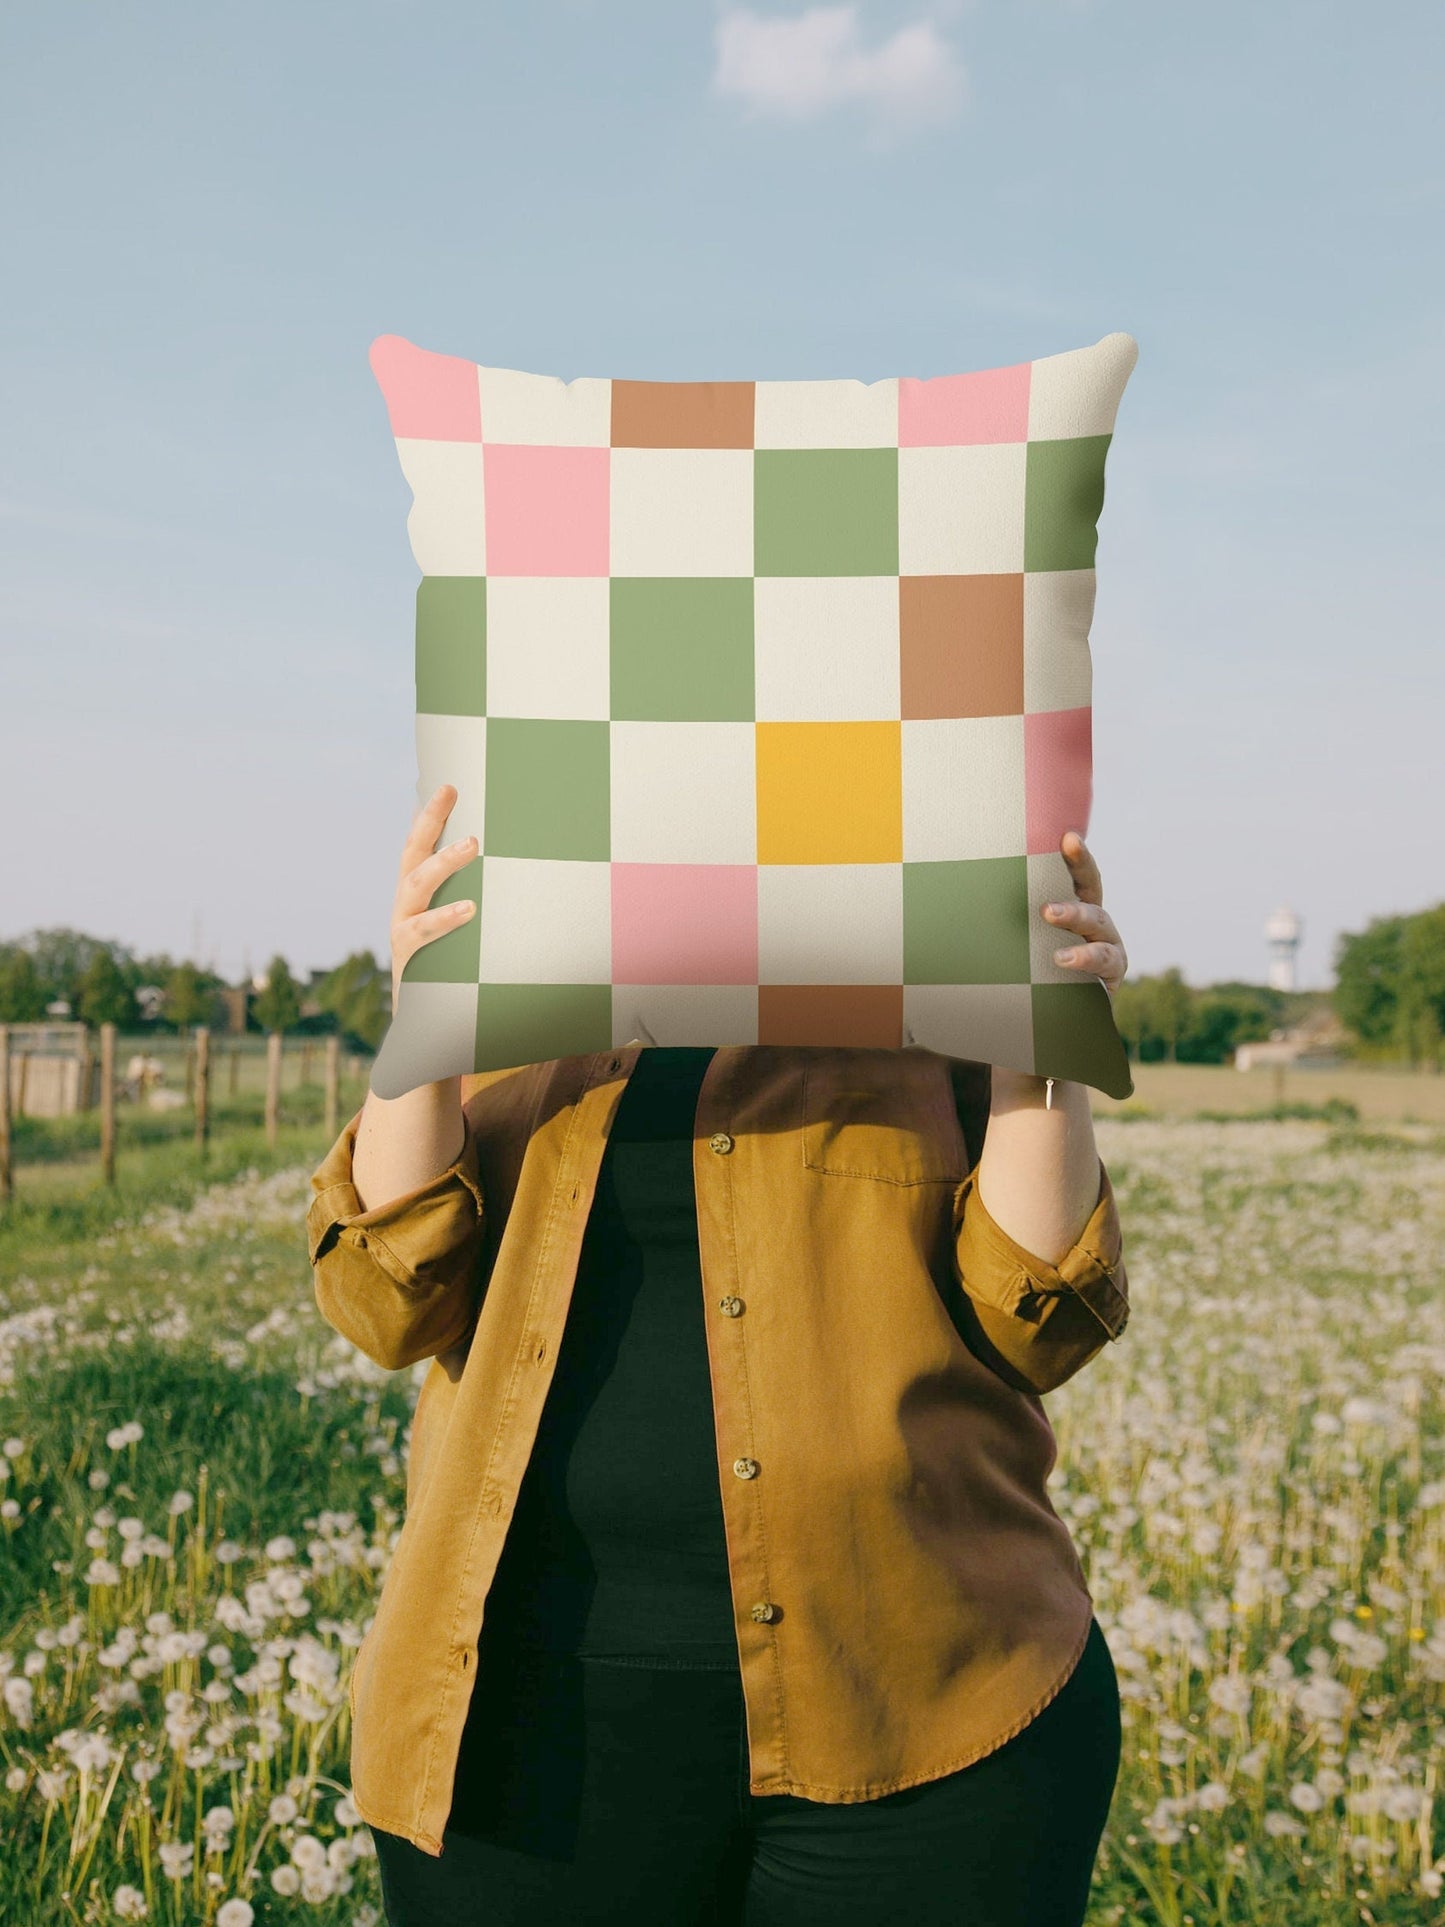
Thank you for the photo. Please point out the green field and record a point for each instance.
(200, 1485)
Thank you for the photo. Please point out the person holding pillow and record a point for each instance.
(729, 1589)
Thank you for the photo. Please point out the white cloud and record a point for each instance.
(796, 69)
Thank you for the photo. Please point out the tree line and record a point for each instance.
(102, 981)
(1388, 995)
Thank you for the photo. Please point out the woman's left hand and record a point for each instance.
(1102, 953)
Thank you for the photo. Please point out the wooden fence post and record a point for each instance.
(107, 1103)
(273, 1085)
(332, 1113)
(235, 1069)
(7, 1181)
(203, 1088)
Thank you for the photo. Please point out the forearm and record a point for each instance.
(403, 1142)
(1039, 1172)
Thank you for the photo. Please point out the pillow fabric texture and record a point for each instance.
(767, 702)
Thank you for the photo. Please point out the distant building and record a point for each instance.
(1317, 1041)
(151, 1001)
(1282, 933)
(53, 1072)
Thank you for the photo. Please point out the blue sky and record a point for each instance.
(205, 662)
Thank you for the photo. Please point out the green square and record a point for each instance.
(533, 1023)
(453, 958)
(1075, 1036)
(966, 922)
(451, 645)
(548, 788)
(825, 511)
(682, 648)
(1063, 499)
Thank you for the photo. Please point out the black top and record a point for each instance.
(617, 1542)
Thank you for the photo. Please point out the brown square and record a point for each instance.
(961, 639)
(682, 414)
(869, 1015)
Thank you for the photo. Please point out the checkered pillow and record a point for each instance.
(768, 703)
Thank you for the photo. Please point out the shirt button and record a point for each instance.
(720, 1142)
(763, 1610)
(730, 1307)
(746, 1468)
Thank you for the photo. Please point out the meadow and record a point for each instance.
(201, 1484)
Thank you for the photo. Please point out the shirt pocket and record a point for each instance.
(887, 1115)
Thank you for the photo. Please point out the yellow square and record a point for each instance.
(830, 792)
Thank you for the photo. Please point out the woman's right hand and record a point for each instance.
(403, 1142)
(424, 869)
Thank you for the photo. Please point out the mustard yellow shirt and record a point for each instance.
(906, 1597)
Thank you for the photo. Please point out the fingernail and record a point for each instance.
(1064, 956)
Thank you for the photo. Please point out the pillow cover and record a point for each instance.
(768, 703)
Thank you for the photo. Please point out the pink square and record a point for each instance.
(547, 509)
(1058, 775)
(955, 410)
(430, 398)
(684, 923)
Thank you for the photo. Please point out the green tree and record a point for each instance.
(22, 994)
(1420, 1005)
(1130, 1014)
(105, 995)
(1369, 970)
(278, 1006)
(1154, 1013)
(1169, 1008)
(1221, 1018)
(357, 993)
(62, 958)
(190, 997)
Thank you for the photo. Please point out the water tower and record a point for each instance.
(1282, 934)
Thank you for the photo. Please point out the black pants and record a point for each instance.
(607, 1790)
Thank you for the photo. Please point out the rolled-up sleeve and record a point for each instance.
(402, 1281)
(1046, 1320)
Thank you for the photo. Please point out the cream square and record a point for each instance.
(1058, 609)
(447, 520)
(544, 409)
(1050, 881)
(547, 646)
(844, 413)
(1078, 393)
(982, 1023)
(545, 921)
(825, 648)
(961, 510)
(433, 1035)
(717, 1014)
(963, 788)
(682, 511)
(453, 749)
(684, 793)
(804, 909)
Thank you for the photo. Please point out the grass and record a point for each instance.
(201, 1485)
